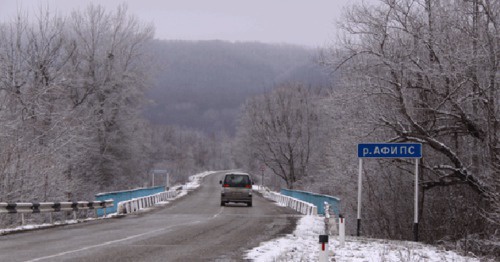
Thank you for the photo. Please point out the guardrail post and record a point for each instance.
(22, 219)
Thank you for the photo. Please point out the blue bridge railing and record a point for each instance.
(125, 195)
(315, 199)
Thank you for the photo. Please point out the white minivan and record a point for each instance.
(236, 188)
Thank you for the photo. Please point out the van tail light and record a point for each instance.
(226, 185)
(248, 186)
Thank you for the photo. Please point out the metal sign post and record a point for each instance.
(360, 173)
(262, 168)
(415, 219)
(168, 180)
(389, 150)
(159, 172)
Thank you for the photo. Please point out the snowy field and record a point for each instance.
(303, 245)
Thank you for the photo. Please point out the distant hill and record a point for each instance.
(202, 84)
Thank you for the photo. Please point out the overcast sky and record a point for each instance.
(303, 22)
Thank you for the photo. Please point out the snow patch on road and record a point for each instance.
(194, 182)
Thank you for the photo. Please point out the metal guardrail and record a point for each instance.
(45, 207)
(136, 204)
(13, 208)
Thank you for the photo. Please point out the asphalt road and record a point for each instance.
(193, 228)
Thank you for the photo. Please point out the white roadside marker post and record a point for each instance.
(341, 230)
(323, 248)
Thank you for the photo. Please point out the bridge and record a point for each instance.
(192, 228)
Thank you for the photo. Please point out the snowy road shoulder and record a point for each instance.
(303, 245)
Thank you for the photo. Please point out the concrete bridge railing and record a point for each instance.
(137, 204)
(296, 204)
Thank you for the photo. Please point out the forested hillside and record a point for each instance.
(202, 84)
(74, 90)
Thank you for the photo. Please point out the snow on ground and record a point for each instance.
(194, 182)
(45, 225)
(365, 249)
(292, 247)
(303, 245)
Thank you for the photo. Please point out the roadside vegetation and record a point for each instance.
(90, 102)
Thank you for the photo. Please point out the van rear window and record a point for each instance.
(237, 180)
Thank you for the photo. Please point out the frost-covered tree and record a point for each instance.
(70, 92)
(109, 79)
(33, 57)
(278, 128)
(428, 71)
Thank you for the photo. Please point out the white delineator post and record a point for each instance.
(323, 248)
(341, 230)
(323, 239)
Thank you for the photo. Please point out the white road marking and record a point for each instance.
(110, 242)
(220, 212)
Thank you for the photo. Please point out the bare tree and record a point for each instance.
(427, 69)
(109, 77)
(278, 129)
(33, 57)
(71, 92)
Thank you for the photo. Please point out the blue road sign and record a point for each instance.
(390, 150)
